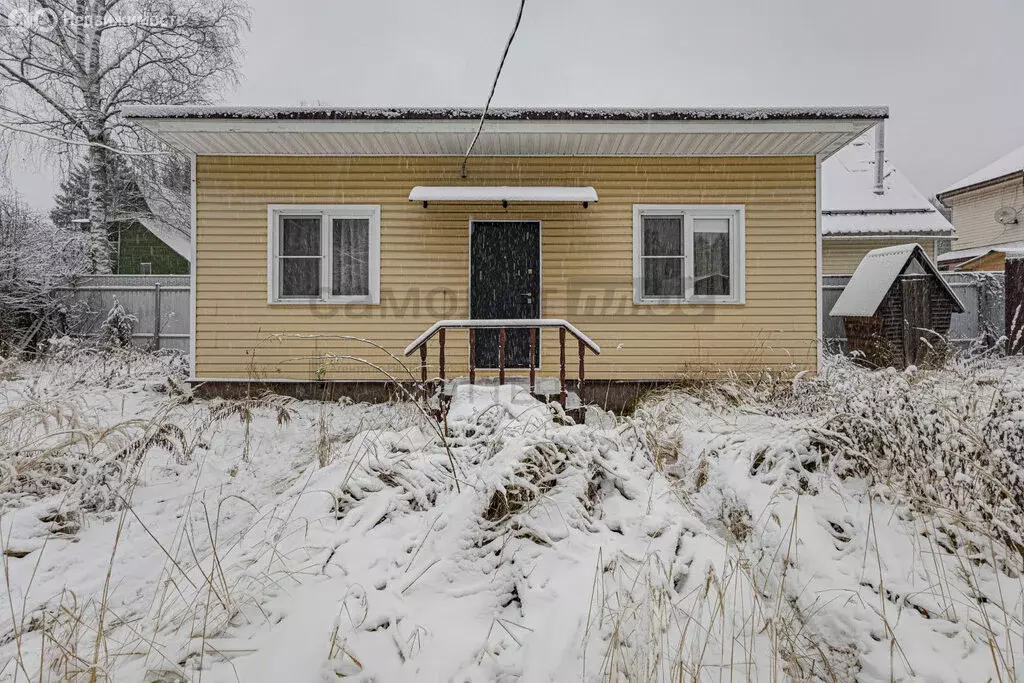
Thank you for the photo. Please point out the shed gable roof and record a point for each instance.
(876, 273)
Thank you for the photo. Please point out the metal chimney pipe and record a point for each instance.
(880, 157)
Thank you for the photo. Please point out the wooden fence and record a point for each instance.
(160, 302)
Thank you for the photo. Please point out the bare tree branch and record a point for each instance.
(66, 84)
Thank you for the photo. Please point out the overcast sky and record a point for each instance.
(950, 70)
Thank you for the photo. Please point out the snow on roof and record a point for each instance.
(965, 254)
(466, 193)
(851, 207)
(1006, 166)
(168, 217)
(904, 223)
(529, 113)
(168, 234)
(875, 275)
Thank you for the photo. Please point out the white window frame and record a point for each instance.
(326, 212)
(734, 213)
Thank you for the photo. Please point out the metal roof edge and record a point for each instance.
(749, 114)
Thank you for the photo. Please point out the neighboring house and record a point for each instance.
(987, 214)
(158, 240)
(144, 250)
(863, 210)
(683, 243)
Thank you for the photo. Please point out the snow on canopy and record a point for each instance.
(875, 275)
(850, 205)
(511, 113)
(1006, 166)
(467, 193)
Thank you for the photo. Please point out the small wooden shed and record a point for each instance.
(897, 307)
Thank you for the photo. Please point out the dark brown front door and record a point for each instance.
(504, 284)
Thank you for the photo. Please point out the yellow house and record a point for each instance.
(662, 244)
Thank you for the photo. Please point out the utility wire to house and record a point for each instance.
(494, 86)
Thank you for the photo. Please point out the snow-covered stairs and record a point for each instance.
(545, 388)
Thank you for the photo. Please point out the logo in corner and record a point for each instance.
(41, 20)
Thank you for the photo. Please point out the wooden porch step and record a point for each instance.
(546, 388)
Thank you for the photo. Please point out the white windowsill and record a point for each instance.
(333, 301)
(708, 301)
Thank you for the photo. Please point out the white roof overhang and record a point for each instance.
(231, 132)
(459, 193)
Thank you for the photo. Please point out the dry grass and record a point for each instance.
(654, 618)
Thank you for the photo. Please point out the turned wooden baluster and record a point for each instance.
(472, 355)
(533, 365)
(579, 387)
(440, 350)
(561, 366)
(501, 355)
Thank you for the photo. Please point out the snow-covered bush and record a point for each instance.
(35, 258)
(53, 443)
(952, 440)
(118, 327)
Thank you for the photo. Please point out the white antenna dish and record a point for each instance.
(1007, 215)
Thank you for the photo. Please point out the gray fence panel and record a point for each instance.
(980, 293)
(91, 298)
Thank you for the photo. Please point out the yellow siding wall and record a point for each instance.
(587, 264)
(974, 215)
(841, 256)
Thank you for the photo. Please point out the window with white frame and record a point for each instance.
(684, 253)
(324, 254)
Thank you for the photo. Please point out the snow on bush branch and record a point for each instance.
(952, 440)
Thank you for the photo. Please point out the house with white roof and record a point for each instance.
(864, 209)
(987, 212)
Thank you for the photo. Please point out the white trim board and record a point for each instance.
(819, 356)
(192, 266)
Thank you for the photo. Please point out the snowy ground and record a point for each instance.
(854, 527)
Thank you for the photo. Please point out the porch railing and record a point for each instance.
(533, 325)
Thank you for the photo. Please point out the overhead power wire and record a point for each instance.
(494, 86)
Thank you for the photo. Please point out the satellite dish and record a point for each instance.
(1006, 215)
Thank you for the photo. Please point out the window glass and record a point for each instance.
(300, 236)
(299, 260)
(663, 277)
(711, 264)
(663, 235)
(300, 277)
(350, 256)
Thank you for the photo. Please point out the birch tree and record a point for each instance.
(67, 67)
